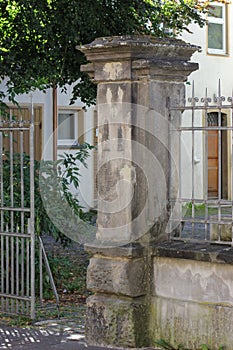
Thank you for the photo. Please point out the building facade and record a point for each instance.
(214, 78)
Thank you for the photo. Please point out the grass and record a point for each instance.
(200, 209)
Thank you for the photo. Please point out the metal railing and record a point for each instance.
(201, 191)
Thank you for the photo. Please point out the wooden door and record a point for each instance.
(213, 157)
(212, 163)
(24, 113)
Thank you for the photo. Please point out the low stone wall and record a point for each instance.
(192, 295)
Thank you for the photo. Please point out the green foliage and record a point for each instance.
(52, 181)
(38, 39)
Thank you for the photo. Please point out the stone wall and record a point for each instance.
(192, 295)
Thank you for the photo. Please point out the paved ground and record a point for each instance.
(64, 333)
(54, 334)
(43, 339)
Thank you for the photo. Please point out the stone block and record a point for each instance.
(117, 276)
(116, 322)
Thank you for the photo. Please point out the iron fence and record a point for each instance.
(201, 184)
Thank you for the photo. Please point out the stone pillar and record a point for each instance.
(136, 78)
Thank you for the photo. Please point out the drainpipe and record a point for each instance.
(55, 123)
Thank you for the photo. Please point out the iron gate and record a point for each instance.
(17, 237)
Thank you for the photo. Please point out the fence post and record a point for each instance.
(135, 77)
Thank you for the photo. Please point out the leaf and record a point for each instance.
(204, 347)
(165, 345)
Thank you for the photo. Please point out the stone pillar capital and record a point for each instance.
(132, 57)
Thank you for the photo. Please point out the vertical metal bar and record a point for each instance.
(21, 228)
(2, 269)
(12, 274)
(41, 272)
(170, 165)
(49, 271)
(193, 144)
(180, 177)
(219, 160)
(11, 252)
(231, 167)
(11, 173)
(2, 214)
(22, 267)
(22, 176)
(17, 269)
(7, 265)
(27, 271)
(206, 163)
(32, 218)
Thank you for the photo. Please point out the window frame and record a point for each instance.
(70, 141)
(223, 22)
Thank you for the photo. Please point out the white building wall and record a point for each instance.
(212, 67)
(85, 192)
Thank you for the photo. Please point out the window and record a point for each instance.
(70, 127)
(217, 29)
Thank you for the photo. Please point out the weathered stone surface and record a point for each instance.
(111, 71)
(194, 251)
(135, 76)
(191, 324)
(119, 276)
(193, 281)
(111, 249)
(192, 303)
(113, 321)
(167, 52)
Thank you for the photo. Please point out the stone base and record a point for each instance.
(117, 322)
